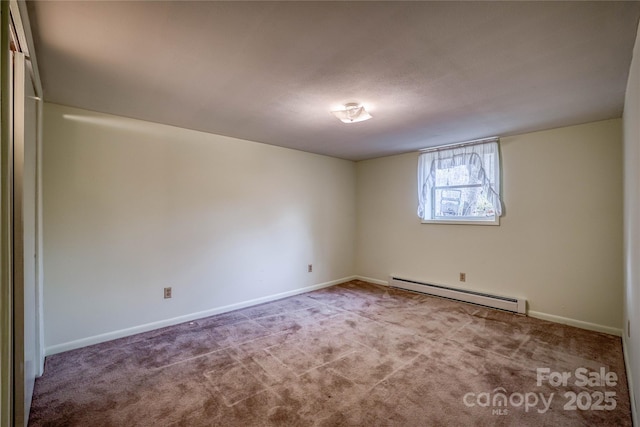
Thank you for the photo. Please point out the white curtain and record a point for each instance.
(485, 171)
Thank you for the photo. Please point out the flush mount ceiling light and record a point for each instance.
(352, 113)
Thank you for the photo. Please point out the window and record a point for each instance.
(460, 184)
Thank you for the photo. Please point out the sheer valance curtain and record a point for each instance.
(482, 161)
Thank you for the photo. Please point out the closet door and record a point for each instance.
(25, 202)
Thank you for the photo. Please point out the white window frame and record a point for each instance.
(427, 186)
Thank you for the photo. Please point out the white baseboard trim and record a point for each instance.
(372, 280)
(96, 339)
(576, 323)
(627, 365)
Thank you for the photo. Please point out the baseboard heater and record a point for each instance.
(515, 305)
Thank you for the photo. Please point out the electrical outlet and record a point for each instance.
(167, 292)
(310, 268)
(463, 277)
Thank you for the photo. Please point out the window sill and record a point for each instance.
(461, 222)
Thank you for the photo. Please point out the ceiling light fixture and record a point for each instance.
(352, 113)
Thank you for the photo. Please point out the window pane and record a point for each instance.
(456, 175)
(464, 201)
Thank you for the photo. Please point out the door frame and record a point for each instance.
(15, 13)
(6, 224)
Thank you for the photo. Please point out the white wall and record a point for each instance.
(632, 226)
(559, 244)
(131, 207)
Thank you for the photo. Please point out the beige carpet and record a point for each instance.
(351, 355)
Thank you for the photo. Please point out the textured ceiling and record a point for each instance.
(432, 72)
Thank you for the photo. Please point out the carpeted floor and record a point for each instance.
(350, 355)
